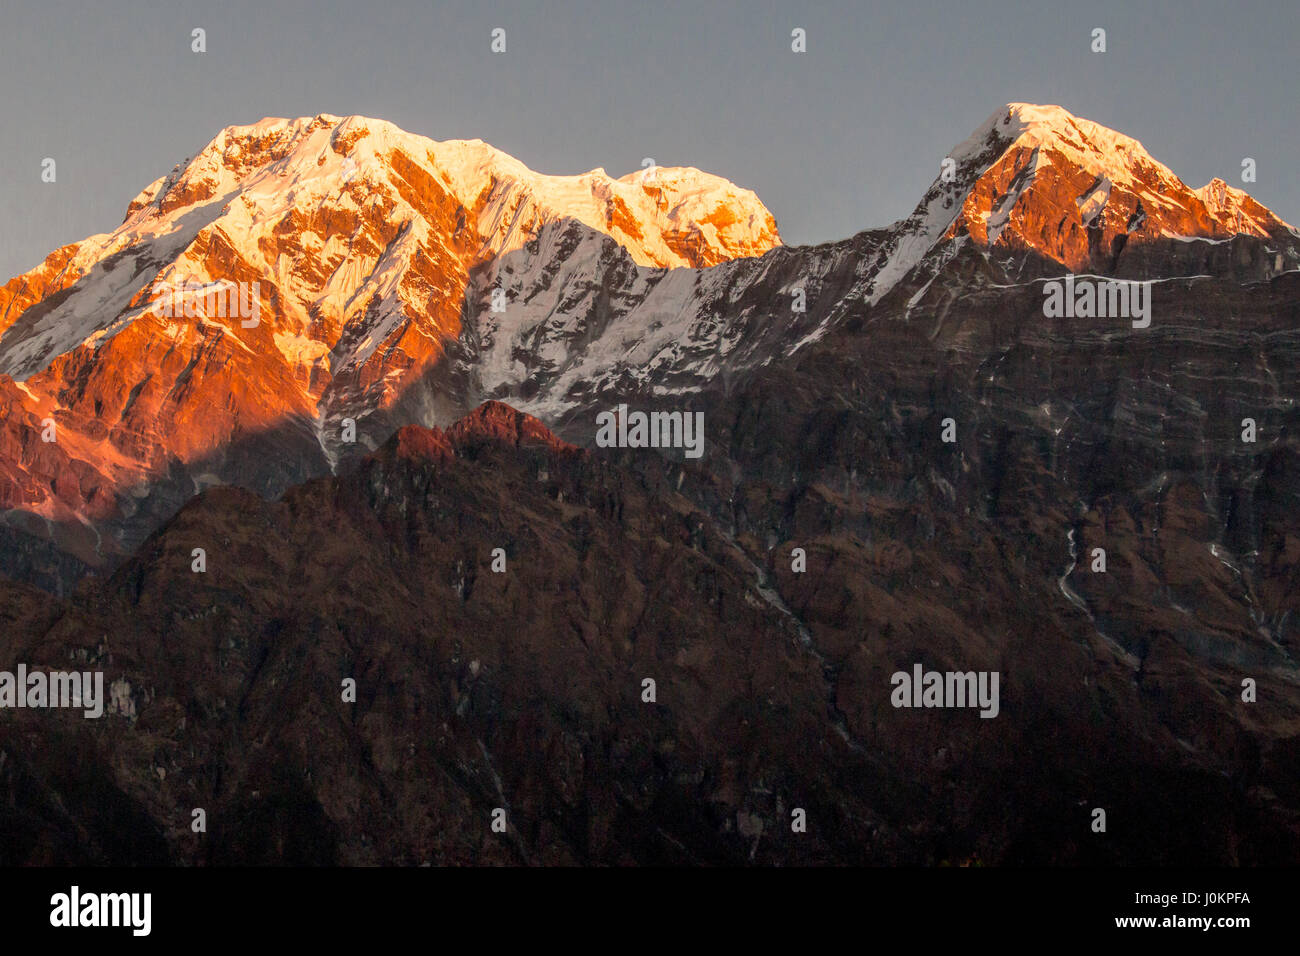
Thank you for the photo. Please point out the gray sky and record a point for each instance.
(835, 140)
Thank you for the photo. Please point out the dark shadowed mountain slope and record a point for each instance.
(523, 689)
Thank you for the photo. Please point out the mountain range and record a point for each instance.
(437, 329)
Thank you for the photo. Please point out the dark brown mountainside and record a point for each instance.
(523, 689)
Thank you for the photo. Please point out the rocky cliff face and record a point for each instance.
(1097, 507)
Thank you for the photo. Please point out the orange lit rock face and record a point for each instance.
(358, 239)
(22, 292)
(414, 443)
(494, 422)
(1080, 194)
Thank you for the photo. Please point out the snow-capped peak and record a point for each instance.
(1040, 178)
(1117, 176)
(664, 217)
